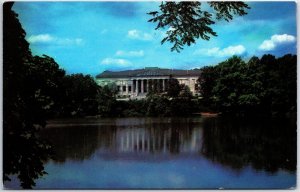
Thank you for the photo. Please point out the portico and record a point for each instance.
(144, 85)
(137, 83)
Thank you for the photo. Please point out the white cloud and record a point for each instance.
(267, 45)
(276, 40)
(49, 39)
(42, 38)
(217, 52)
(112, 61)
(283, 38)
(139, 53)
(136, 34)
(233, 50)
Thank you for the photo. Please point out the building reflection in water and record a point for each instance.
(138, 135)
(155, 135)
(163, 141)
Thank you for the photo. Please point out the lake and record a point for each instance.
(170, 153)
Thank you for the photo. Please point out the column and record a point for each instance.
(160, 85)
(133, 86)
(121, 88)
(153, 82)
(136, 86)
(164, 86)
(147, 85)
(142, 86)
(126, 87)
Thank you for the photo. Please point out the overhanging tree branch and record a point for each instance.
(186, 21)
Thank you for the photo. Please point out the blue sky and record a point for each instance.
(90, 37)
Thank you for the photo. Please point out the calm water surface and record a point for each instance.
(172, 153)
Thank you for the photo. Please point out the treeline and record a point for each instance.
(57, 95)
(265, 86)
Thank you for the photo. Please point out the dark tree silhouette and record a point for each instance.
(187, 21)
(81, 91)
(23, 152)
(207, 81)
(173, 87)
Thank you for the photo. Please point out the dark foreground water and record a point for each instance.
(170, 153)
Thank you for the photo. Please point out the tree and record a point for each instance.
(279, 82)
(230, 84)
(23, 152)
(265, 86)
(47, 78)
(81, 92)
(207, 81)
(186, 93)
(187, 21)
(157, 106)
(288, 81)
(173, 87)
(106, 101)
(154, 87)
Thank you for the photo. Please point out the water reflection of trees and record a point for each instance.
(71, 142)
(264, 144)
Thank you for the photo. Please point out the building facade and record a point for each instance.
(135, 84)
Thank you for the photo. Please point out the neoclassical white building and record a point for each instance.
(135, 84)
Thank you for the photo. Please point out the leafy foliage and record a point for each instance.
(106, 101)
(80, 95)
(186, 92)
(230, 84)
(173, 87)
(24, 106)
(154, 87)
(266, 85)
(207, 81)
(187, 21)
(45, 76)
